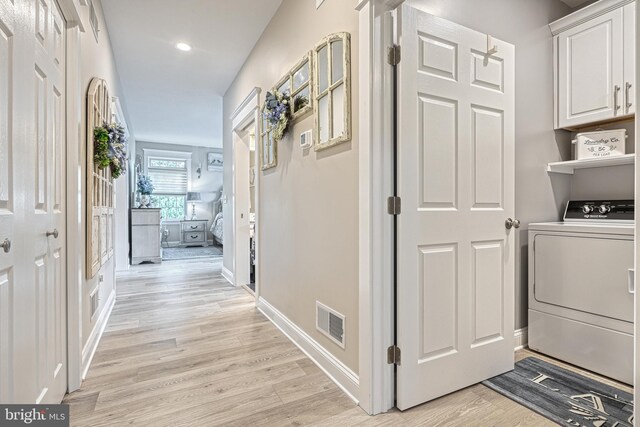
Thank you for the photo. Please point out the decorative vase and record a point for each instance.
(145, 200)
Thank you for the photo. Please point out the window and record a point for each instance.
(170, 178)
(173, 206)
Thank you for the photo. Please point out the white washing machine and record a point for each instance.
(581, 287)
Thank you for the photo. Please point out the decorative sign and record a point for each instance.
(600, 144)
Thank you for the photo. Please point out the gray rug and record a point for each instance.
(169, 254)
(563, 396)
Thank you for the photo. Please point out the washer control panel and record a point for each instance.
(599, 210)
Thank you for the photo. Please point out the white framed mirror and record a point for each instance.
(268, 149)
(298, 83)
(332, 90)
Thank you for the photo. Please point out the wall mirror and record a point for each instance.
(298, 83)
(332, 90)
(268, 152)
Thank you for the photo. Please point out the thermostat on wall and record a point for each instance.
(306, 139)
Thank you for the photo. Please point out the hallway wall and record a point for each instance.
(96, 61)
(308, 242)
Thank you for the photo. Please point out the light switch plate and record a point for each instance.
(306, 139)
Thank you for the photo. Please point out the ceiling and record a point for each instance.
(173, 96)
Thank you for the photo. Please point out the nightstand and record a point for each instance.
(193, 232)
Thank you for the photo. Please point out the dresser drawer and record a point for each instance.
(145, 216)
(193, 237)
(193, 226)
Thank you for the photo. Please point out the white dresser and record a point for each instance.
(193, 232)
(145, 236)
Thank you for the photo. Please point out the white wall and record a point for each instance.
(209, 184)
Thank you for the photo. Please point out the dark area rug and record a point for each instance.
(563, 396)
(170, 254)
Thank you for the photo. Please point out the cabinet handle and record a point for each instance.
(194, 227)
(627, 96)
(194, 237)
(616, 91)
(631, 281)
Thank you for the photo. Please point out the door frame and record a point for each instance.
(244, 116)
(376, 378)
(636, 389)
(75, 220)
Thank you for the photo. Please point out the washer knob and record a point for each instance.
(603, 209)
(587, 209)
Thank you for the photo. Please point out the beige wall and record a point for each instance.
(96, 61)
(209, 184)
(309, 202)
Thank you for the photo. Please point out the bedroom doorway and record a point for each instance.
(244, 239)
(245, 206)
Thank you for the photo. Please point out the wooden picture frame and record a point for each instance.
(332, 90)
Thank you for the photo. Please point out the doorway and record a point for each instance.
(33, 276)
(244, 205)
(245, 195)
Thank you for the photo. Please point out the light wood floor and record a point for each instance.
(183, 347)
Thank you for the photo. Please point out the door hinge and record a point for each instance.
(394, 205)
(393, 355)
(394, 55)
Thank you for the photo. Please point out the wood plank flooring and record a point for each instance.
(184, 348)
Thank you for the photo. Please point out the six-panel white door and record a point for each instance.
(33, 362)
(455, 258)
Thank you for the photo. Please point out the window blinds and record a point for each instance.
(169, 181)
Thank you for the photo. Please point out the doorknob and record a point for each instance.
(6, 245)
(511, 223)
(53, 233)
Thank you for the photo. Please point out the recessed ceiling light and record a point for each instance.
(184, 47)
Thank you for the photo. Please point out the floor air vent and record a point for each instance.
(330, 323)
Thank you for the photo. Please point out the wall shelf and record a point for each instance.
(570, 166)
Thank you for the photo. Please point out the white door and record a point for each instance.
(33, 365)
(590, 64)
(455, 258)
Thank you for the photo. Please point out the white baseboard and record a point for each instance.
(90, 348)
(522, 338)
(337, 371)
(227, 274)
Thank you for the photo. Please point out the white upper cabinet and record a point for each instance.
(594, 64)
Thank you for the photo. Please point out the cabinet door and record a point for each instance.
(629, 12)
(145, 241)
(590, 66)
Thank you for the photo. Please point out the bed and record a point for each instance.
(217, 228)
